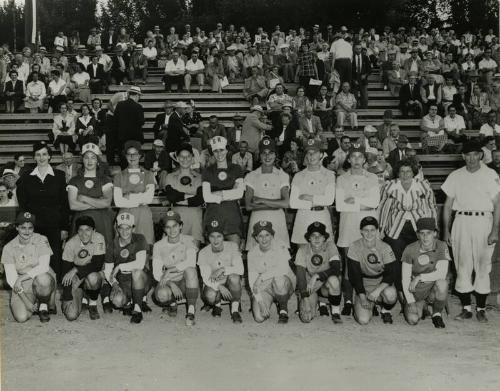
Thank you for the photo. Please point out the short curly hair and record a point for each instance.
(405, 163)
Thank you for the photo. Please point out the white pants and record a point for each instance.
(353, 118)
(472, 253)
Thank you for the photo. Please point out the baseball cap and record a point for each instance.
(82, 47)
(59, 49)
(471, 146)
(312, 144)
(218, 142)
(214, 226)
(172, 216)
(84, 220)
(368, 220)
(125, 218)
(25, 217)
(91, 147)
(8, 171)
(132, 144)
(267, 143)
(316, 227)
(428, 223)
(262, 226)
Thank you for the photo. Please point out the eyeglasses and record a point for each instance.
(132, 154)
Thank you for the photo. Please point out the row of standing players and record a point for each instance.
(376, 276)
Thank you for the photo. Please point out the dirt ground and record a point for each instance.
(162, 354)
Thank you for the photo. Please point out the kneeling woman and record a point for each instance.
(126, 275)
(318, 274)
(373, 270)
(83, 258)
(223, 187)
(174, 267)
(26, 261)
(269, 274)
(221, 269)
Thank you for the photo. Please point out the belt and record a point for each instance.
(318, 208)
(471, 213)
(373, 277)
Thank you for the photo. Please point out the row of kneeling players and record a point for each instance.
(315, 273)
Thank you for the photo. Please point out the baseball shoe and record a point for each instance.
(44, 316)
(347, 310)
(171, 310)
(190, 319)
(386, 317)
(85, 306)
(107, 307)
(145, 307)
(437, 321)
(464, 315)
(375, 311)
(323, 310)
(206, 307)
(481, 316)
(53, 310)
(336, 319)
(93, 313)
(283, 318)
(216, 311)
(236, 317)
(136, 317)
(127, 310)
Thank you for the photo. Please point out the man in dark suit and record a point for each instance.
(398, 154)
(410, 98)
(176, 133)
(157, 160)
(162, 119)
(120, 65)
(109, 39)
(361, 68)
(460, 101)
(129, 118)
(97, 76)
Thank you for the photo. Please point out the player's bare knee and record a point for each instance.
(44, 284)
(163, 294)
(21, 316)
(138, 279)
(234, 280)
(333, 285)
(119, 300)
(257, 316)
(191, 277)
(210, 295)
(362, 319)
(390, 295)
(71, 313)
(281, 285)
(441, 287)
(93, 281)
(412, 319)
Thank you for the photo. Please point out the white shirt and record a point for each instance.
(150, 53)
(179, 66)
(488, 130)
(83, 60)
(106, 62)
(194, 66)
(50, 171)
(54, 87)
(487, 64)
(454, 124)
(341, 49)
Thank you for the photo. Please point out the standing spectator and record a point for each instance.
(306, 70)
(176, 133)
(138, 65)
(361, 69)
(346, 107)
(129, 118)
(43, 193)
(342, 58)
(194, 70)
(94, 38)
(253, 128)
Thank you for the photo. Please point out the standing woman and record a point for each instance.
(42, 192)
(267, 194)
(183, 190)
(133, 191)
(404, 201)
(90, 193)
(312, 192)
(223, 187)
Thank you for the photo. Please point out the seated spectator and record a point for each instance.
(105, 61)
(276, 101)
(255, 89)
(487, 66)
(233, 64)
(194, 70)
(450, 68)
(454, 126)
(81, 57)
(377, 165)
(63, 130)
(254, 127)
(215, 70)
(151, 53)
(192, 118)
(10, 178)
(385, 127)
(479, 104)
(81, 80)
(158, 159)
(56, 91)
(468, 66)
(340, 155)
(138, 65)
(460, 101)
(18, 165)
(243, 158)
(414, 63)
(310, 125)
(213, 129)
(397, 77)
(448, 92)
(273, 77)
(5, 200)
(284, 132)
(287, 60)
(346, 107)
(94, 38)
(162, 119)
(293, 159)
(390, 142)
(250, 60)
(35, 94)
(69, 166)
(494, 97)
(120, 66)
(369, 136)
(490, 128)
(432, 65)
(86, 127)
(13, 92)
(323, 107)
(495, 163)
(174, 72)
(410, 99)
(489, 145)
(100, 116)
(109, 39)
(398, 153)
(97, 76)
(300, 101)
(434, 136)
(61, 40)
(431, 93)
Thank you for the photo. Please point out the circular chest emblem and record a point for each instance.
(356, 186)
(372, 258)
(423, 259)
(89, 184)
(214, 224)
(222, 175)
(124, 253)
(134, 179)
(185, 180)
(27, 215)
(266, 142)
(312, 182)
(316, 259)
(83, 253)
(263, 223)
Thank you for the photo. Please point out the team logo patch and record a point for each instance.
(310, 141)
(134, 179)
(214, 224)
(372, 258)
(124, 253)
(266, 142)
(316, 259)
(89, 184)
(423, 259)
(263, 223)
(185, 180)
(170, 213)
(83, 253)
(27, 215)
(222, 175)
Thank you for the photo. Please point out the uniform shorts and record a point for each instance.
(125, 284)
(423, 291)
